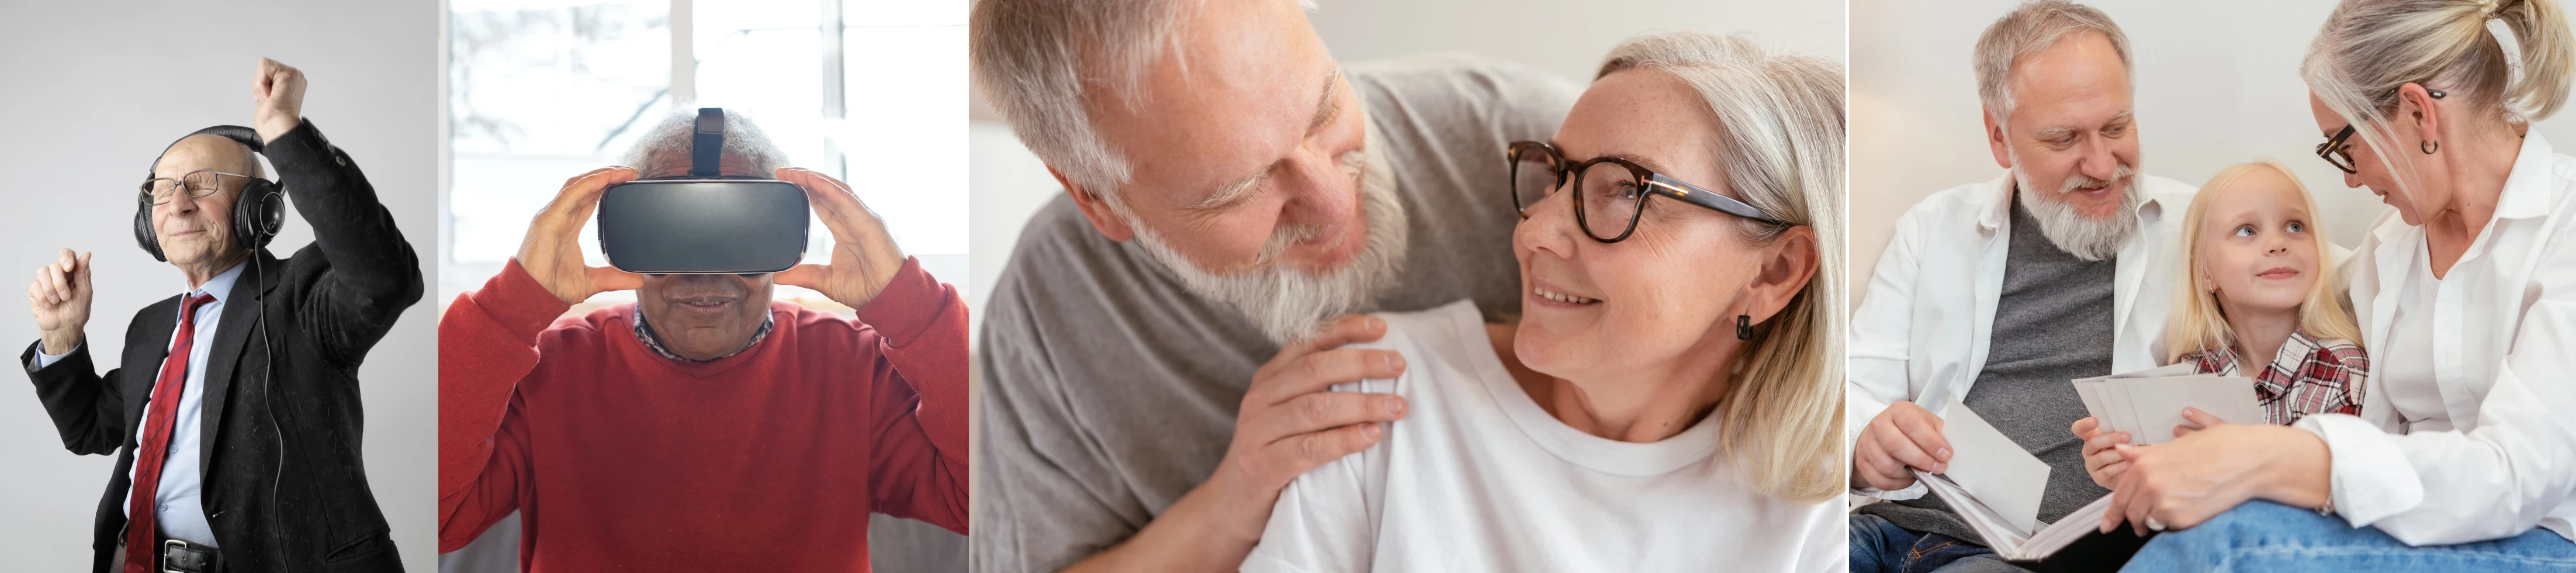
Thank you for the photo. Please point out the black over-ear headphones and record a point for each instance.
(257, 213)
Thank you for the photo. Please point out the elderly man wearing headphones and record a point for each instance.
(258, 351)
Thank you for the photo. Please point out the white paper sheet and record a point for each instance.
(1993, 468)
(2148, 404)
(2008, 542)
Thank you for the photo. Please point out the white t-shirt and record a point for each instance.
(1477, 477)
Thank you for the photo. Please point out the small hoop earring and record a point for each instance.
(2429, 146)
(1744, 327)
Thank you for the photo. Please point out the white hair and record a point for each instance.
(1040, 62)
(2029, 28)
(1779, 120)
(672, 139)
(2086, 239)
(1286, 303)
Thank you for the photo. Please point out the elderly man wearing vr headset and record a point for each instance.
(234, 412)
(703, 427)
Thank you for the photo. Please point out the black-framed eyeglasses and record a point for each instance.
(1612, 191)
(2335, 151)
(198, 184)
(2338, 151)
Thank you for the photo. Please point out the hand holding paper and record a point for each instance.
(2149, 404)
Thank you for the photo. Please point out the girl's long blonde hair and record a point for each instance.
(1781, 125)
(2197, 324)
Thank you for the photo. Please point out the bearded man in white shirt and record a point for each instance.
(1996, 294)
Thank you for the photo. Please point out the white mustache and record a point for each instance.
(2081, 181)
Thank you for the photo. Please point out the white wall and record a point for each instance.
(2217, 84)
(94, 91)
(1564, 38)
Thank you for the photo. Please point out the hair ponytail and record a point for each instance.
(2367, 49)
(2540, 30)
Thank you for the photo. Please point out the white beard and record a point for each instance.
(2087, 239)
(1289, 304)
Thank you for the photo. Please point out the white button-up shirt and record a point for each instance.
(1923, 327)
(2503, 357)
(177, 508)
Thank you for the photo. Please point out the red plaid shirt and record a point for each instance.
(2308, 376)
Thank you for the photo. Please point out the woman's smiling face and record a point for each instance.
(1675, 285)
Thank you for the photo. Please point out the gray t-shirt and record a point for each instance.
(2052, 325)
(1109, 390)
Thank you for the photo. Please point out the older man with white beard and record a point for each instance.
(1142, 405)
(1996, 294)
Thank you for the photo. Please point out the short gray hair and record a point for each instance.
(1039, 62)
(2029, 28)
(675, 134)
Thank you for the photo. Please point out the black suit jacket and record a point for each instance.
(284, 485)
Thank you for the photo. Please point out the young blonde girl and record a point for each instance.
(2258, 283)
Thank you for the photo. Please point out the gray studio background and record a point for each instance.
(2217, 84)
(94, 91)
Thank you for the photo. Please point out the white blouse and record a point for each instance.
(2488, 371)
(2419, 406)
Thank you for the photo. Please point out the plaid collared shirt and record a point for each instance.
(2308, 376)
(644, 332)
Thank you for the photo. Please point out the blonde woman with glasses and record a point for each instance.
(1668, 399)
(2463, 457)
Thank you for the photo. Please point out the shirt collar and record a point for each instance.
(221, 287)
(644, 333)
(2528, 185)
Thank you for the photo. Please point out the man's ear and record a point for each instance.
(1995, 139)
(1095, 208)
(1784, 273)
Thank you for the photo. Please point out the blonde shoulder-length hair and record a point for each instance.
(2197, 324)
(1780, 119)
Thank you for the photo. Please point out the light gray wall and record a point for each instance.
(2217, 84)
(94, 91)
(1563, 38)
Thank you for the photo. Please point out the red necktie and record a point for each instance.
(140, 551)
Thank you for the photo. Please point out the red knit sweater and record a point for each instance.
(617, 458)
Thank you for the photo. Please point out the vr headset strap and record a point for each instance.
(706, 146)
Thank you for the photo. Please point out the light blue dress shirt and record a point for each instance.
(178, 510)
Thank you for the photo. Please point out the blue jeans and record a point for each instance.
(2270, 537)
(1881, 547)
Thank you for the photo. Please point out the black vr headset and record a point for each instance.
(704, 222)
(257, 214)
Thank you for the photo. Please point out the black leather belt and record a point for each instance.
(178, 556)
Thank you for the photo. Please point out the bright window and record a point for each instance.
(542, 90)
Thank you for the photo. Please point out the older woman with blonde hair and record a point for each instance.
(1669, 398)
(2464, 455)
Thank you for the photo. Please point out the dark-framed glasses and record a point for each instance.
(2337, 152)
(1611, 192)
(198, 184)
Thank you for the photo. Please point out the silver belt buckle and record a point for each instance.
(170, 547)
(166, 546)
